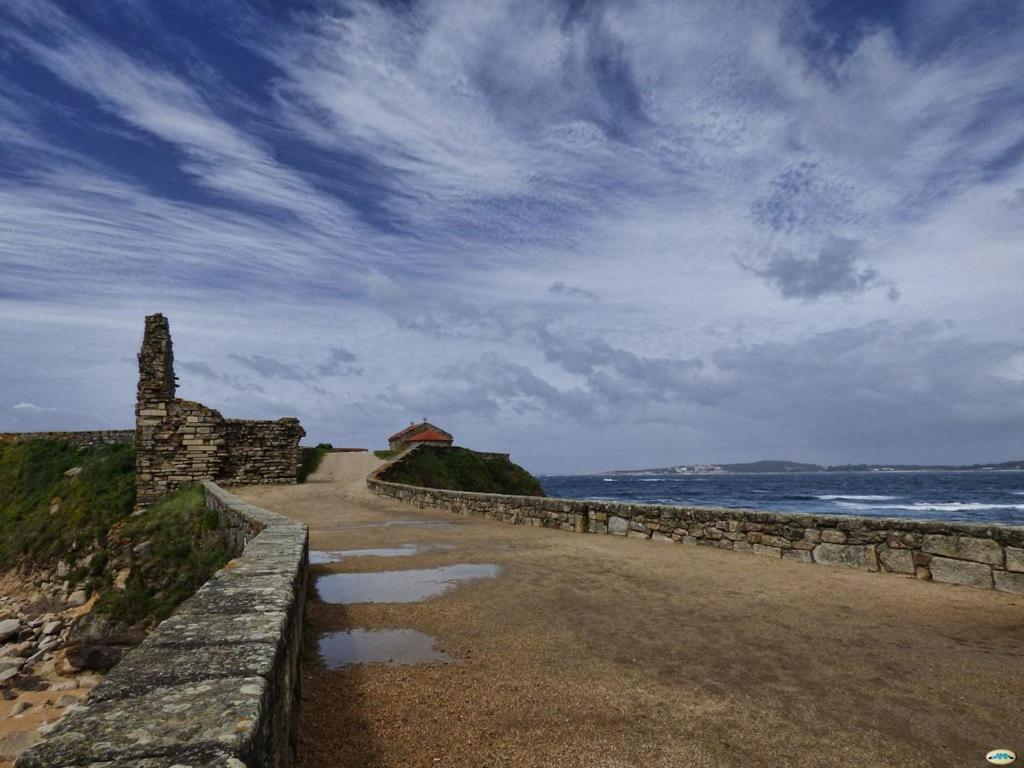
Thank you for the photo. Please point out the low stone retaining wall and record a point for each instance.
(988, 557)
(86, 439)
(217, 683)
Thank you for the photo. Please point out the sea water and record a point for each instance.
(975, 497)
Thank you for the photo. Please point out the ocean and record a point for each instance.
(972, 497)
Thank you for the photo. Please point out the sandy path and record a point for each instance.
(602, 651)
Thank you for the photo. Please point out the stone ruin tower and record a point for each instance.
(181, 441)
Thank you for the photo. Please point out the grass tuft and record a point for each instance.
(460, 469)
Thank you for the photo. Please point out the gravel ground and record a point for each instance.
(602, 651)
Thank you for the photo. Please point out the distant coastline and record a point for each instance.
(793, 467)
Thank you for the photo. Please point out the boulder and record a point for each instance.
(98, 642)
(1010, 582)
(618, 525)
(9, 628)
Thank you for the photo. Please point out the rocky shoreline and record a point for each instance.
(53, 650)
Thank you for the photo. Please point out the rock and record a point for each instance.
(761, 549)
(6, 662)
(1010, 582)
(52, 627)
(65, 685)
(961, 572)
(63, 569)
(14, 743)
(98, 642)
(847, 555)
(143, 550)
(897, 560)
(73, 472)
(67, 700)
(964, 548)
(830, 536)
(1015, 559)
(20, 707)
(8, 674)
(49, 644)
(9, 628)
(618, 525)
(77, 598)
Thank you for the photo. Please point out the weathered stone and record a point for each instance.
(897, 560)
(1015, 559)
(210, 716)
(832, 536)
(742, 546)
(618, 526)
(962, 572)
(761, 549)
(849, 556)
(964, 548)
(9, 628)
(1009, 582)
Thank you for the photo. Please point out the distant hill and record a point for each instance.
(777, 466)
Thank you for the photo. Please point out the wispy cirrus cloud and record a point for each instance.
(560, 215)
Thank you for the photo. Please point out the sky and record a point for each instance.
(596, 235)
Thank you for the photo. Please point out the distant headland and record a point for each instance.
(775, 466)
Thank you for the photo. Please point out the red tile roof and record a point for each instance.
(429, 435)
(412, 429)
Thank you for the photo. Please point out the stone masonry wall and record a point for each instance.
(262, 451)
(217, 683)
(983, 556)
(86, 439)
(181, 441)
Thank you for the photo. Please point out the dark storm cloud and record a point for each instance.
(834, 271)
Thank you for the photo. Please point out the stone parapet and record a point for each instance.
(983, 556)
(86, 439)
(217, 683)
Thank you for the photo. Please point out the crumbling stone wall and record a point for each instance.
(181, 441)
(217, 683)
(87, 439)
(982, 556)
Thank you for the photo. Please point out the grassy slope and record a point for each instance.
(311, 458)
(460, 469)
(85, 521)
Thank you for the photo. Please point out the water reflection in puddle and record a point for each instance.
(321, 557)
(389, 646)
(398, 586)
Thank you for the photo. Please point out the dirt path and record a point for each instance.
(601, 651)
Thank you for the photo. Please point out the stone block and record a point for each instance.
(962, 572)
(1009, 582)
(194, 720)
(619, 526)
(964, 548)
(761, 549)
(897, 560)
(832, 536)
(742, 546)
(847, 555)
(1015, 559)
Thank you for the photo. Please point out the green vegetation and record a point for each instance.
(460, 469)
(59, 504)
(46, 515)
(388, 454)
(175, 547)
(311, 458)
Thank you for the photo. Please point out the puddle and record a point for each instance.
(387, 646)
(322, 557)
(398, 586)
(391, 523)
